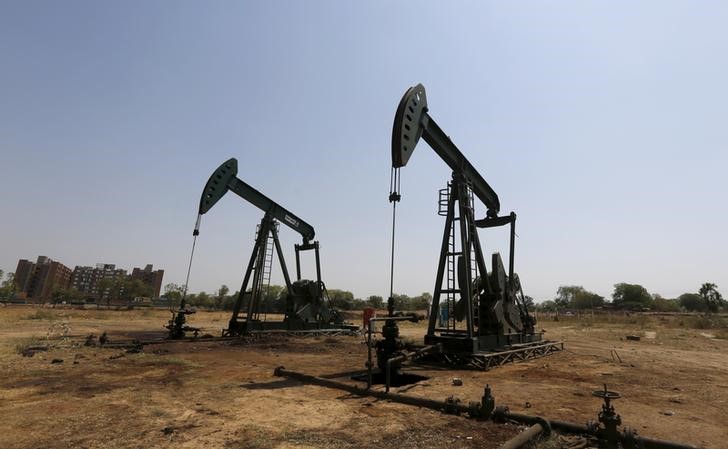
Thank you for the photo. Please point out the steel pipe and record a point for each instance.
(394, 397)
(524, 437)
(499, 415)
(578, 429)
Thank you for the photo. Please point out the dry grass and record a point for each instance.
(188, 395)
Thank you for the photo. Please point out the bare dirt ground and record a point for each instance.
(216, 394)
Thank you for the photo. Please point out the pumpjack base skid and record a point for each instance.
(458, 342)
(485, 360)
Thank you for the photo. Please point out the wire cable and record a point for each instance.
(394, 197)
(189, 268)
(391, 270)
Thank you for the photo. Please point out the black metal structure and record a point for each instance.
(490, 303)
(307, 305)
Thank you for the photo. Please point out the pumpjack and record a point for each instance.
(307, 306)
(477, 317)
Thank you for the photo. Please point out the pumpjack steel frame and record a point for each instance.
(495, 319)
(303, 311)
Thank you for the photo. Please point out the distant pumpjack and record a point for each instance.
(307, 305)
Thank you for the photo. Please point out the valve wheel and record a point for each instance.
(606, 394)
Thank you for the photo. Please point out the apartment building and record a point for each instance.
(150, 277)
(86, 279)
(36, 280)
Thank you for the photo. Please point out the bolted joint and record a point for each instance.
(451, 405)
(629, 439)
(394, 197)
(501, 414)
(390, 329)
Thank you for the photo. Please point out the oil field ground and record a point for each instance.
(674, 383)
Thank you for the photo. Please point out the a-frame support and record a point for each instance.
(256, 267)
(458, 198)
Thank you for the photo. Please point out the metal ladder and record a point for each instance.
(268, 260)
(452, 290)
(263, 277)
(267, 268)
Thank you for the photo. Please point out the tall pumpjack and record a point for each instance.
(490, 303)
(307, 305)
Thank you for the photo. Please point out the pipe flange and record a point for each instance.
(592, 426)
(501, 414)
(630, 439)
(451, 405)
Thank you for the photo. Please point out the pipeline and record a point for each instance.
(484, 410)
(524, 437)
(454, 408)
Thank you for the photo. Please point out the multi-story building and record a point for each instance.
(87, 279)
(23, 274)
(150, 277)
(37, 280)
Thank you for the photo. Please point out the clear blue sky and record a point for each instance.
(602, 124)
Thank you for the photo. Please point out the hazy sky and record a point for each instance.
(603, 125)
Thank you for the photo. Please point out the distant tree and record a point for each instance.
(400, 301)
(426, 298)
(128, 289)
(191, 299)
(566, 294)
(631, 296)
(528, 302)
(341, 299)
(587, 300)
(274, 299)
(229, 301)
(577, 297)
(712, 297)
(375, 301)
(68, 295)
(103, 290)
(8, 287)
(419, 302)
(547, 306)
(173, 292)
(203, 300)
(222, 293)
(665, 305)
(692, 302)
(120, 288)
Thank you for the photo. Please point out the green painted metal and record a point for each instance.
(225, 179)
(218, 184)
(411, 122)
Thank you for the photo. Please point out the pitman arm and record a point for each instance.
(225, 178)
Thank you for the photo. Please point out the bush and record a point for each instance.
(42, 315)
